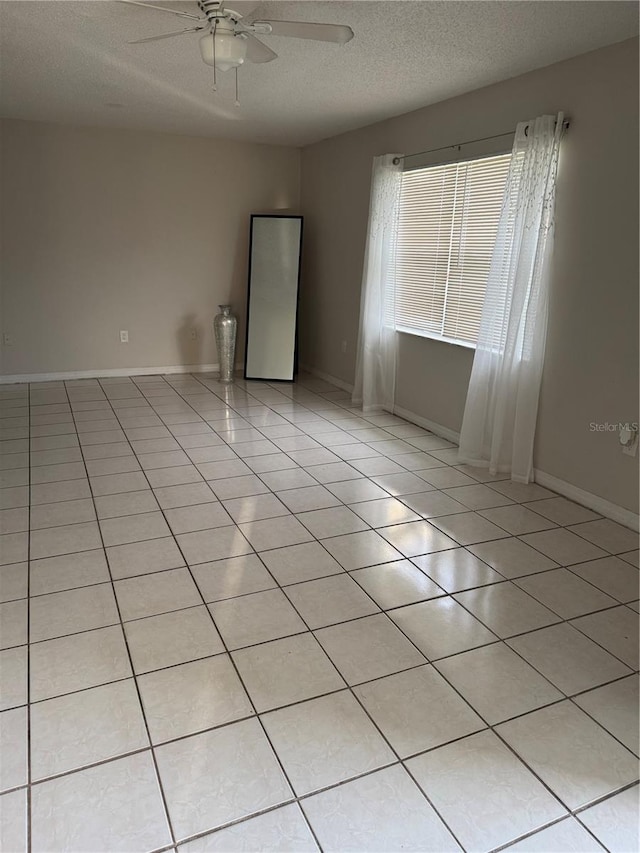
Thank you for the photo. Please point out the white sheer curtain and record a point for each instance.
(377, 340)
(499, 421)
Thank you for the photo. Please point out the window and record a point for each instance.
(447, 229)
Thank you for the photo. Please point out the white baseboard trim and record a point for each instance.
(432, 426)
(340, 383)
(109, 372)
(604, 507)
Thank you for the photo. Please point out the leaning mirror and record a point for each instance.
(272, 311)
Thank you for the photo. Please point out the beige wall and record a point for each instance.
(591, 369)
(104, 230)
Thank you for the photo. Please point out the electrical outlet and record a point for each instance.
(193, 335)
(124, 336)
(343, 346)
(7, 340)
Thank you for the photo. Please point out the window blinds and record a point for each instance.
(446, 232)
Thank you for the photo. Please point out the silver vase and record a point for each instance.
(225, 326)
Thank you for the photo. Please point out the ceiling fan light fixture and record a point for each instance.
(230, 50)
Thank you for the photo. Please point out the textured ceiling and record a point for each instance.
(70, 62)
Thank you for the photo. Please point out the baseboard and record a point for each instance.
(610, 510)
(340, 383)
(110, 372)
(432, 426)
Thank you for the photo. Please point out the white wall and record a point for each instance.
(104, 230)
(591, 369)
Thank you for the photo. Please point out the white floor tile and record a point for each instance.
(56, 574)
(417, 537)
(563, 546)
(71, 612)
(497, 682)
(14, 581)
(396, 584)
(13, 826)
(325, 741)
(564, 593)
(13, 624)
(381, 812)
(264, 535)
(615, 707)
(456, 570)
(517, 519)
(192, 697)
(255, 508)
(571, 753)
(432, 504)
(327, 601)
(441, 627)
(247, 777)
(368, 648)
(562, 511)
(83, 728)
(505, 609)
(613, 576)
(151, 594)
(615, 821)
(512, 557)
(616, 630)
(207, 545)
(567, 658)
(297, 563)
(13, 685)
(478, 496)
(357, 550)
(334, 521)
(172, 638)
(230, 578)
(608, 534)
(417, 710)
(13, 748)
(123, 799)
(188, 519)
(142, 558)
(77, 662)
(285, 671)
(483, 792)
(256, 618)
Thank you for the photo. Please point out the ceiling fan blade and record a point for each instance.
(162, 9)
(302, 30)
(167, 35)
(257, 51)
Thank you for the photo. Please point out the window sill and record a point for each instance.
(404, 330)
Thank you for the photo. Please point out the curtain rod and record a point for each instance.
(458, 145)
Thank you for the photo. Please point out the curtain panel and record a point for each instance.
(374, 387)
(501, 409)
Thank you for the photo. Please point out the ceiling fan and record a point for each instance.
(228, 40)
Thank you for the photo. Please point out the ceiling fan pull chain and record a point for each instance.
(237, 95)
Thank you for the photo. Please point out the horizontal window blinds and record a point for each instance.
(446, 232)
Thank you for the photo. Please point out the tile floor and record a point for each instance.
(249, 618)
